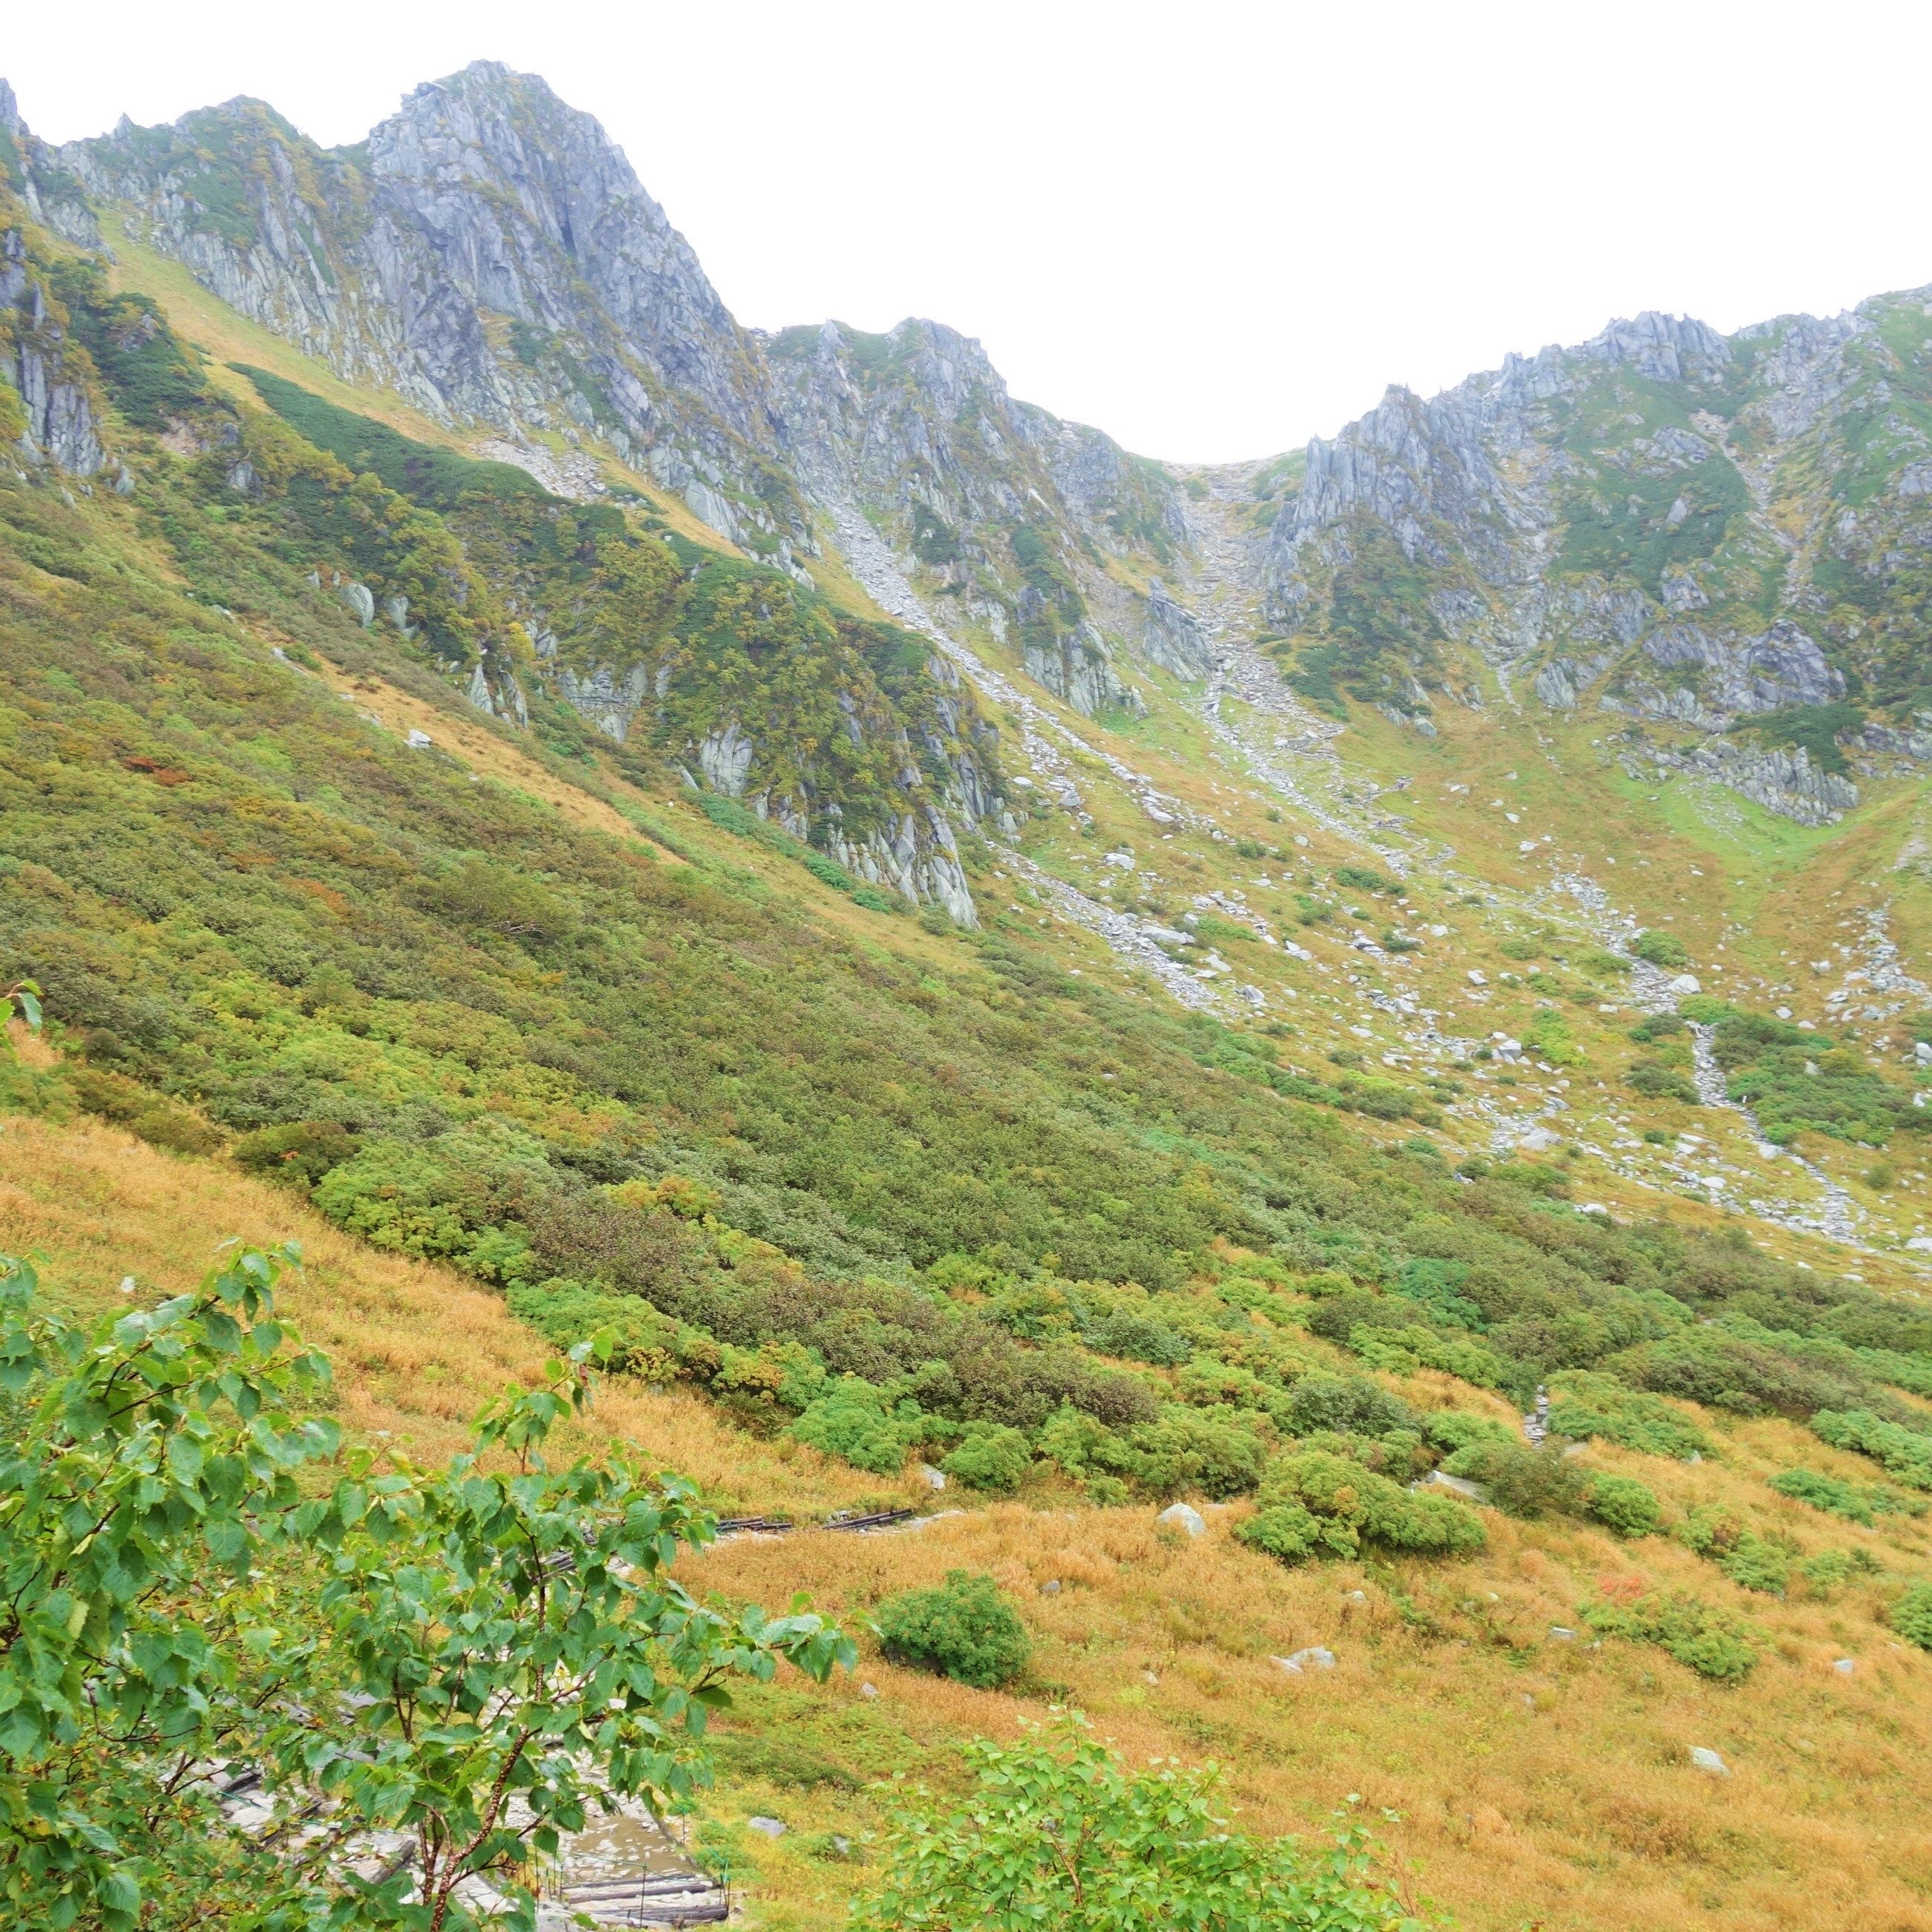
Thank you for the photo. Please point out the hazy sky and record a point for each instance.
(1212, 228)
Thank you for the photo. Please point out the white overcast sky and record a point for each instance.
(1212, 228)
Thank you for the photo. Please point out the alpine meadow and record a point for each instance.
(782, 1146)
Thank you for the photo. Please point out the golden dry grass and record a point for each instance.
(1540, 1780)
(418, 1349)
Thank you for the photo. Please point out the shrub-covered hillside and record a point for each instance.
(949, 1200)
(982, 1210)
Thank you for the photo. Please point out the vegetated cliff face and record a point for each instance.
(852, 735)
(50, 416)
(1694, 531)
(1013, 512)
(489, 253)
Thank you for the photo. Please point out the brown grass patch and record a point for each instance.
(1539, 1779)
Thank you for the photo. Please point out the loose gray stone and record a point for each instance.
(772, 1827)
(1316, 1656)
(1180, 1516)
(1845, 1665)
(1706, 1759)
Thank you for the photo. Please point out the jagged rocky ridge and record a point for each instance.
(869, 747)
(1690, 531)
(489, 254)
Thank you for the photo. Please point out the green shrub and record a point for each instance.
(1139, 1338)
(431, 1198)
(1621, 1504)
(643, 1343)
(1856, 1502)
(1751, 1561)
(298, 1153)
(1656, 1080)
(1520, 1481)
(1911, 1616)
(1188, 1448)
(1799, 1083)
(1585, 1405)
(1549, 1036)
(992, 1457)
(853, 1421)
(1830, 1570)
(440, 478)
(1317, 1502)
(1452, 1429)
(1904, 1452)
(1661, 948)
(964, 1629)
(1714, 1642)
(1350, 1404)
(1814, 729)
(1657, 1026)
(1055, 1833)
(152, 1117)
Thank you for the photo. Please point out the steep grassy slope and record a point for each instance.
(1255, 1146)
(1542, 1781)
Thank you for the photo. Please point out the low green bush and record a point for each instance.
(1585, 1405)
(1911, 1616)
(964, 1629)
(150, 1116)
(1751, 1561)
(992, 1457)
(1317, 1503)
(1714, 1642)
(1656, 1080)
(1856, 1502)
(1621, 1504)
(1055, 1832)
(1213, 1451)
(297, 1153)
(1519, 1479)
(854, 1421)
(1904, 1452)
(1661, 948)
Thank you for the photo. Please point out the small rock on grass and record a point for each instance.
(772, 1827)
(1707, 1759)
(1180, 1516)
(1316, 1656)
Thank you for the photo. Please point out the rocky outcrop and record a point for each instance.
(917, 426)
(488, 254)
(57, 420)
(1720, 679)
(1078, 669)
(1173, 638)
(1785, 782)
(1661, 522)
